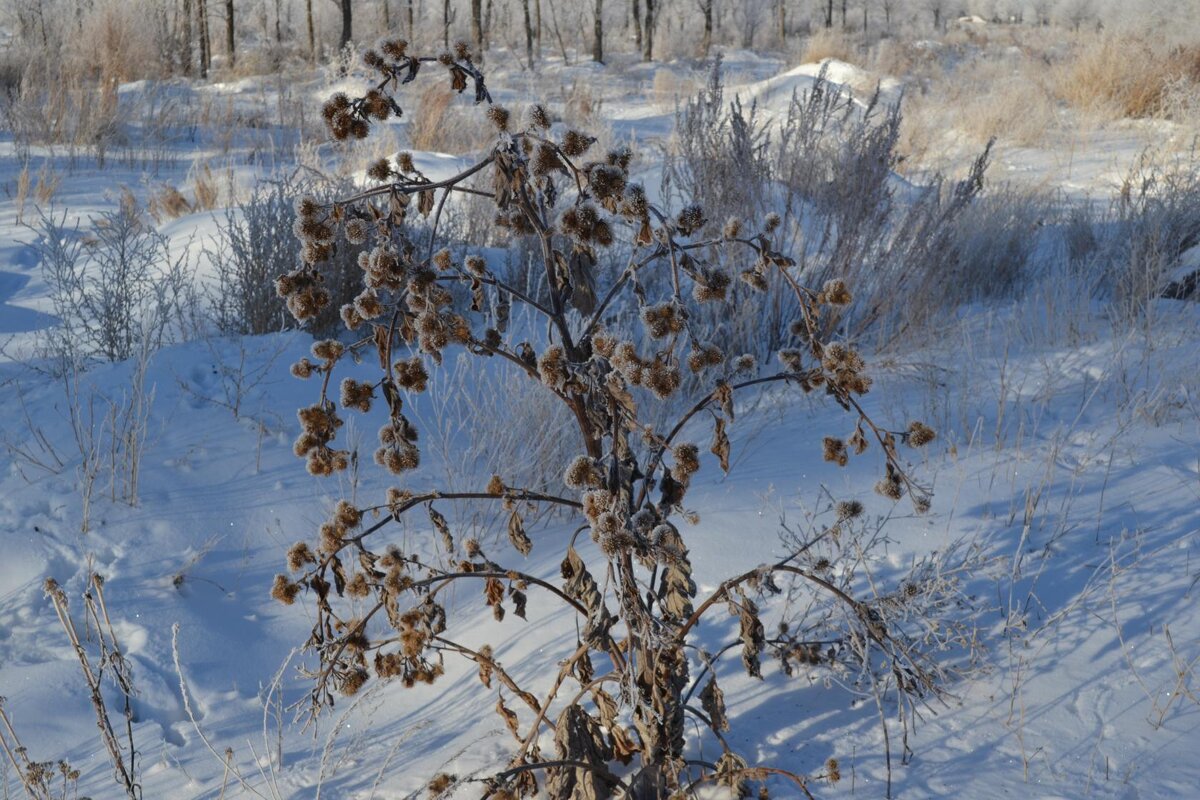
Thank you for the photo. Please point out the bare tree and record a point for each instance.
(706, 7)
(312, 39)
(229, 43)
(205, 46)
(528, 34)
(188, 43)
(935, 8)
(347, 24)
(828, 13)
(649, 21)
(477, 28)
(635, 6)
(598, 33)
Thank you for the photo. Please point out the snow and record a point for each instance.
(1069, 453)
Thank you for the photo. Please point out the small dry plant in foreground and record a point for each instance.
(615, 709)
(55, 780)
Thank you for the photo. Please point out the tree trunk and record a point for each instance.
(387, 17)
(781, 10)
(477, 29)
(347, 25)
(312, 39)
(636, 5)
(446, 24)
(537, 31)
(189, 44)
(844, 14)
(828, 13)
(648, 33)
(205, 51)
(410, 20)
(706, 41)
(528, 34)
(598, 33)
(229, 44)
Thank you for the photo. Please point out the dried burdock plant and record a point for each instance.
(111, 662)
(41, 780)
(628, 686)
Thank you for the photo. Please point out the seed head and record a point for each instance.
(711, 285)
(303, 368)
(849, 509)
(919, 434)
(284, 590)
(298, 555)
(380, 170)
(552, 366)
(575, 144)
(539, 117)
(662, 379)
(583, 473)
(704, 356)
(835, 451)
(755, 279)
(411, 374)
(663, 319)
(890, 488)
(835, 293)
(328, 349)
(690, 220)
(687, 462)
(498, 116)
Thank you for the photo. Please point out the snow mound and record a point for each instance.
(774, 94)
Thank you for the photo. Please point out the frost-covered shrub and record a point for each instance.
(623, 686)
(828, 166)
(256, 243)
(1154, 221)
(116, 288)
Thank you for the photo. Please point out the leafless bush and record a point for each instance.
(380, 613)
(256, 243)
(116, 289)
(1155, 219)
(829, 165)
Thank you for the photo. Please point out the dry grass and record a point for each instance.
(671, 88)
(823, 44)
(982, 100)
(42, 187)
(1125, 77)
(167, 202)
(441, 123)
(205, 189)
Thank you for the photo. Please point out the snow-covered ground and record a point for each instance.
(1068, 454)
